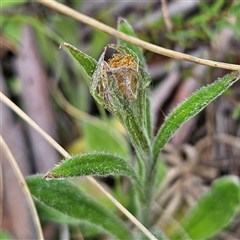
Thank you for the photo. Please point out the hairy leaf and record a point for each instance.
(190, 107)
(101, 164)
(65, 199)
(88, 63)
(9, 4)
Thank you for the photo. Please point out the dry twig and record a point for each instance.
(59, 7)
(19, 175)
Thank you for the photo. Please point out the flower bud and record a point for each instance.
(125, 70)
(117, 82)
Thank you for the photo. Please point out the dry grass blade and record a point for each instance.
(24, 186)
(166, 18)
(61, 150)
(223, 138)
(70, 109)
(148, 46)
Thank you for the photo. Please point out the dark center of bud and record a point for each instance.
(125, 74)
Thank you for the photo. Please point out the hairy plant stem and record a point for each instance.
(149, 187)
(137, 134)
(142, 144)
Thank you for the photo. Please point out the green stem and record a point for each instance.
(139, 139)
(145, 162)
(148, 119)
(149, 186)
(142, 144)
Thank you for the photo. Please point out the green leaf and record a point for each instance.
(14, 23)
(8, 4)
(88, 63)
(65, 26)
(50, 214)
(190, 107)
(108, 138)
(101, 164)
(5, 236)
(66, 199)
(236, 113)
(214, 210)
(94, 192)
(216, 7)
(99, 40)
(125, 27)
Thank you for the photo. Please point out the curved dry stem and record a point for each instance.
(59, 7)
(26, 191)
(61, 150)
(70, 109)
(222, 138)
(166, 18)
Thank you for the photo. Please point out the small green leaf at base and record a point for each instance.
(100, 164)
(214, 210)
(68, 200)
